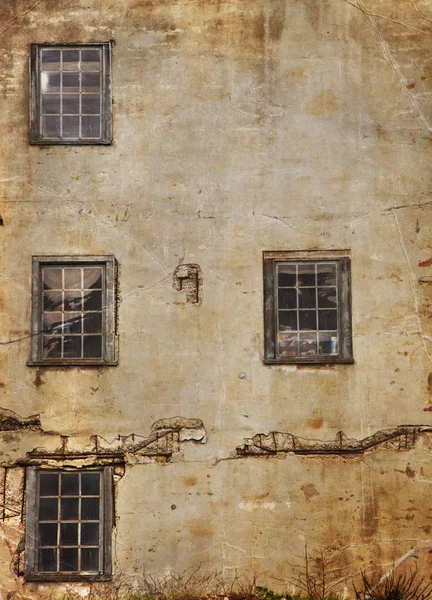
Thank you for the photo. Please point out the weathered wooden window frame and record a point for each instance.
(109, 337)
(106, 97)
(270, 259)
(31, 572)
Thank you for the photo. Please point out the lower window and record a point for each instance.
(307, 307)
(68, 524)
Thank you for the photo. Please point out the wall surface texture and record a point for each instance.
(240, 126)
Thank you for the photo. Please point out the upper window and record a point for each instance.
(68, 524)
(73, 320)
(307, 307)
(70, 94)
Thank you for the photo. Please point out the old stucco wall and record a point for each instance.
(239, 126)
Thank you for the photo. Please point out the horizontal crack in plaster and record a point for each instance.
(402, 437)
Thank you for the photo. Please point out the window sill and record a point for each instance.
(66, 577)
(75, 363)
(36, 142)
(308, 361)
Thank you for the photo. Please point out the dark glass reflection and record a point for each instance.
(48, 560)
(48, 509)
(90, 484)
(287, 320)
(89, 559)
(68, 559)
(48, 484)
(69, 509)
(69, 534)
(70, 484)
(90, 509)
(48, 534)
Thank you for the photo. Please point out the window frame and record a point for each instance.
(270, 260)
(109, 335)
(31, 572)
(106, 96)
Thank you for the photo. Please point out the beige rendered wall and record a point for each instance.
(239, 126)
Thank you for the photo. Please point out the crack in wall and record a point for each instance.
(389, 56)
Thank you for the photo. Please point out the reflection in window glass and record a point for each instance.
(72, 312)
(71, 93)
(69, 523)
(307, 309)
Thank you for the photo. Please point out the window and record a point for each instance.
(307, 307)
(68, 524)
(70, 94)
(73, 319)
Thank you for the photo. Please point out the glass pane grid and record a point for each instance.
(307, 309)
(72, 312)
(70, 540)
(71, 93)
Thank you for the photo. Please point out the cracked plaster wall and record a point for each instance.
(238, 127)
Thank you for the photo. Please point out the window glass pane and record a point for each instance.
(326, 274)
(286, 275)
(93, 322)
(70, 60)
(50, 83)
(72, 278)
(69, 509)
(90, 509)
(71, 104)
(70, 127)
(306, 274)
(91, 55)
(68, 559)
(90, 83)
(90, 104)
(52, 279)
(89, 559)
(89, 534)
(307, 319)
(48, 534)
(71, 83)
(52, 323)
(48, 560)
(51, 104)
(72, 300)
(287, 298)
(287, 320)
(327, 297)
(48, 485)
(90, 127)
(287, 343)
(72, 323)
(93, 278)
(308, 344)
(70, 484)
(69, 534)
(72, 346)
(48, 509)
(51, 127)
(327, 319)
(50, 60)
(52, 301)
(90, 484)
(92, 300)
(307, 297)
(328, 342)
(92, 346)
(52, 347)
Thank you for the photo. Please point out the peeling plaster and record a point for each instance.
(398, 438)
